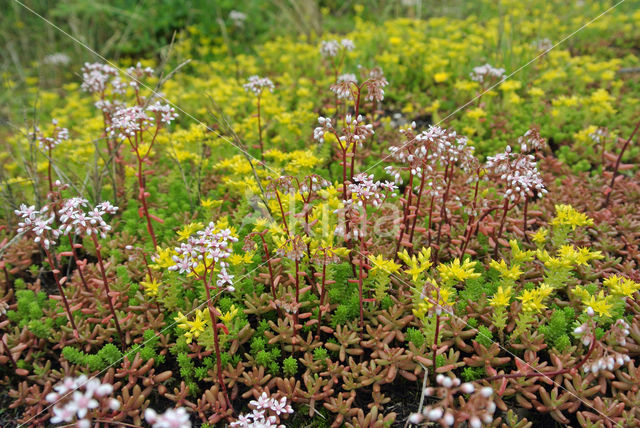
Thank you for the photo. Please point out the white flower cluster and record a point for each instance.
(138, 72)
(57, 59)
(164, 112)
(531, 141)
(363, 189)
(260, 416)
(257, 84)
(58, 136)
(127, 121)
(343, 86)
(487, 72)
(317, 182)
(331, 48)
(325, 126)
(172, 418)
(238, 18)
(607, 363)
(599, 135)
(96, 76)
(375, 84)
(73, 218)
(479, 408)
(36, 222)
(519, 173)
(206, 246)
(421, 152)
(79, 403)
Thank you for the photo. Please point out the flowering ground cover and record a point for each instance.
(415, 221)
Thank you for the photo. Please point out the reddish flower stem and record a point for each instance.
(505, 208)
(75, 258)
(322, 294)
(54, 270)
(284, 219)
(618, 160)
(216, 339)
(107, 290)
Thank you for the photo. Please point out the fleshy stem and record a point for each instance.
(322, 294)
(405, 215)
(107, 289)
(78, 265)
(49, 172)
(284, 219)
(415, 219)
(448, 175)
(618, 160)
(64, 298)
(437, 333)
(295, 314)
(142, 193)
(214, 326)
(505, 209)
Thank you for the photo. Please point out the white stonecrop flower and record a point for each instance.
(172, 418)
(486, 72)
(325, 126)
(257, 84)
(164, 112)
(519, 173)
(58, 136)
(36, 223)
(331, 48)
(96, 76)
(210, 246)
(343, 86)
(128, 121)
(75, 398)
(74, 218)
(260, 416)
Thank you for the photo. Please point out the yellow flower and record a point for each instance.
(578, 256)
(210, 203)
(228, 316)
(163, 258)
(416, 265)
(238, 259)
(502, 297)
(517, 255)
(380, 265)
(150, 287)
(566, 215)
(512, 273)
(601, 305)
(621, 286)
(532, 300)
(455, 271)
(188, 230)
(194, 328)
(540, 237)
(440, 77)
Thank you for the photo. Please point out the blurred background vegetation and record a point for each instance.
(120, 29)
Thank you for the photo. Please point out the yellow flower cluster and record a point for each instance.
(566, 215)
